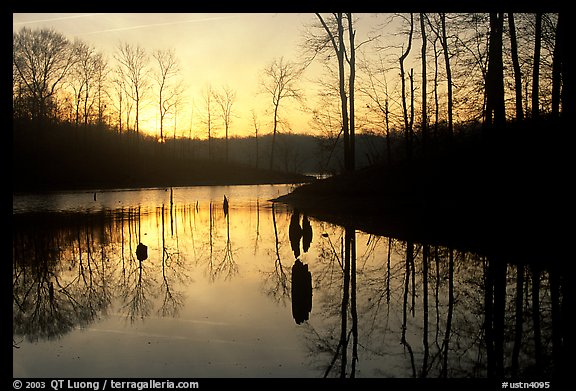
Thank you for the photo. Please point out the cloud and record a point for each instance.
(142, 26)
(56, 19)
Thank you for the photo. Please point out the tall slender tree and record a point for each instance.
(444, 42)
(516, 66)
(208, 94)
(280, 81)
(536, 66)
(133, 65)
(351, 84)
(337, 40)
(424, 119)
(407, 124)
(225, 100)
(168, 88)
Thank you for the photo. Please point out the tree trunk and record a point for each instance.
(352, 64)
(424, 124)
(444, 42)
(536, 69)
(343, 98)
(516, 66)
(495, 110)
(436, 101)
(407, 129)
(274, 133)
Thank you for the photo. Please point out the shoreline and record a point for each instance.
(501, 212)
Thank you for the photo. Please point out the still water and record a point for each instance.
(173, 283)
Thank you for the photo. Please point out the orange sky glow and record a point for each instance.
(217, 50)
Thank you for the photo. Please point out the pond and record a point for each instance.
(173, 283)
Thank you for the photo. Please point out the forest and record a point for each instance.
(437, 82)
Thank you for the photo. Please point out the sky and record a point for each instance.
(216, 49)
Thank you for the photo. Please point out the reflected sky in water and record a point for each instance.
(259, 291)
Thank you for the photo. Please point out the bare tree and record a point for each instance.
(118, 97)
(337, 40)
(495, 110)
(444, 42)
(351, 82)
(280, 79)
(133, 66)
(168, 89)
(208, 95)
(516, 66)
(225, 100)
(424, 123)
(41, 59)
(536, 66)
(256, 126)
(85, 76)
(101, 81)
(407, 123)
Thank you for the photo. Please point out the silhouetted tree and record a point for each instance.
(536, 66)
(208, 95)
(280, 79)
(424, 119)
(118, 86)
(351, 84)
(133, 66)
(335, 37)
(407, 122)
(444, 42)
(225, 101)
(82, 75)
(168, 89)
(516, 66)
(495, 110)
(41, 60)
(256, 126)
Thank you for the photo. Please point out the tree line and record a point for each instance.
(475, 70)
(472, 68)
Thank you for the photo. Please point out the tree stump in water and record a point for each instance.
(141, 252)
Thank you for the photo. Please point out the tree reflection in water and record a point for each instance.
(448, 313)
(68, 268)
(383, 307)
(276, 281)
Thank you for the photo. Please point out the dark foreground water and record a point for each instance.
(171, 283)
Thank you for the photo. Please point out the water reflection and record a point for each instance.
(382, 307)
(440, 313)
(301, 290)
